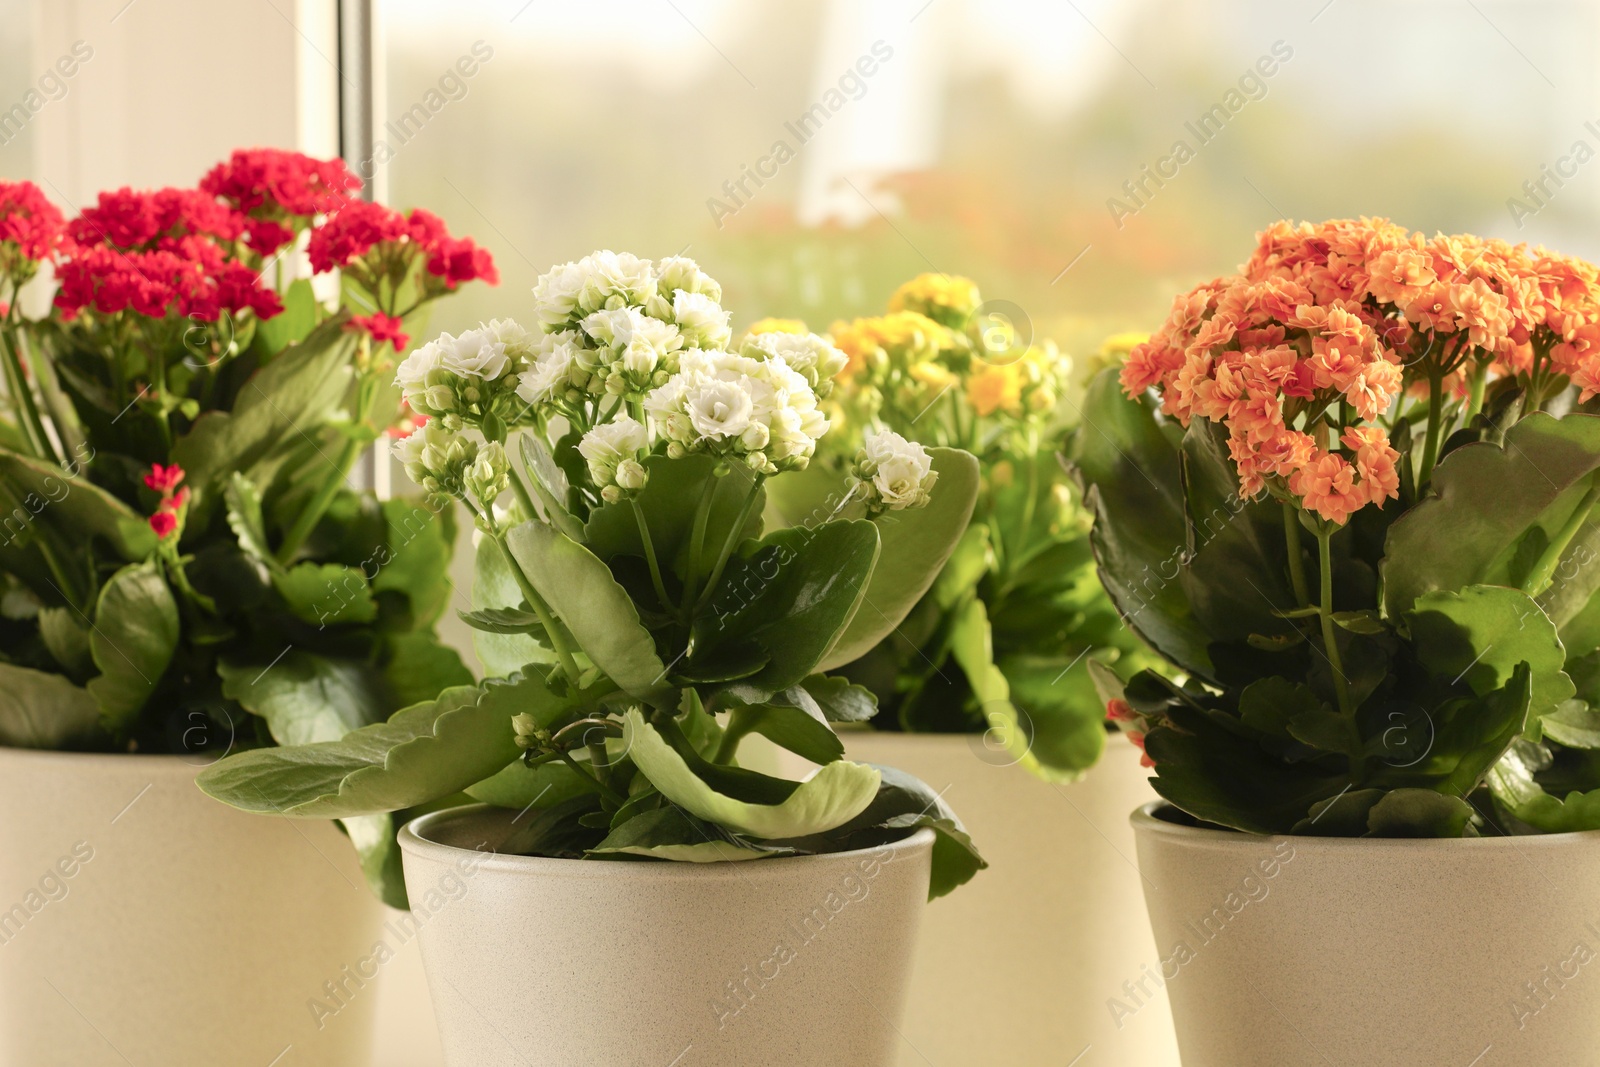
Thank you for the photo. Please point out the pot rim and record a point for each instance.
(414, 843)
(1145, 821)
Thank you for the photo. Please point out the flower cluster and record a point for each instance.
(614, 452)
(931, 347)
(1121, 715)
(439, 460)
(760, 411)
(166, 521)
(469, 378)
(896, 473)
(31, 229)
(814, 358)
(1327, 327)
(268, 183)
(617, 325)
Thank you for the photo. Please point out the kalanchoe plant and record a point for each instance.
(1350, 492)
(182, 567)
(1003, 639)
(635, 622)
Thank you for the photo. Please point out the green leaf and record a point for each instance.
(1485, 502)
(669, 502)
(66, 638)
(293, 395)
(1269, 705)
(915, 545)
(305, 698)
(326, 594)
(1480, 635)
(40, 710)
(494, 587)
(970, 561)
(422, 753)
(598, 612)
(1129, 472)
(135, 634)
(788, 595)
(415, 560)
(671, 834)
(1573, 723)
(517, 787)
(1419, 813)
(502, 621)
(840, 700)
(244, 517)
(74, 508)
(800, 728)
(550, 486)
(419, 668)
(1513, 785)
(1064, 716)
(832, 797)
(298, 317)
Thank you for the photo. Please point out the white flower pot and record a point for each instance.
(539, 962)
(1025, 965)
(1308, 951)
(142, 922)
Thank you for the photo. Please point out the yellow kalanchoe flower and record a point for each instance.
(995, 387)
(949, 298)
(772, 325)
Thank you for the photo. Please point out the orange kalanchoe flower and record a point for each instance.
(1328, 325)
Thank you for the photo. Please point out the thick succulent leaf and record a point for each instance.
(1513, 785)
(1492, 506)
(518, 787)
(422, 753)
(42, 710)
(799, 727)
(1419, 813)
(1064, 715)
(135, 635)
(326, 594)
(74, 508)
(785, 597)
(669, 502)
(65, 634)
(495, 588)
(597, 611)
(298, 390)
(305, 698)
(418, 667)
(245, 518)
(830, 798)
(841, 700)
(672, 834)
(1129, 472)
(1481, 633)
(916, 544)
(297, 319)
(419, 542)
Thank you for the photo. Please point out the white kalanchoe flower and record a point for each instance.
(474, 354)
(556, 372)
(729, 405)
(613, 450)
(681, 272)
(897, 473)
(518, 343)
(555, 295)
(701, 320)
(436, 459)
(635, 349)
(621, 279)
(488, 475)
(810, 355)
(412, 374)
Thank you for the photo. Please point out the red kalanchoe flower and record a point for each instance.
(162, 479)
(353, 231)
(1120, 711)
(408, 423)
(148, 220)
(382, 328)
(455, 259)
(1138, 742)
(164, 523)
(28, 220)
(266, 182)
(265, 236)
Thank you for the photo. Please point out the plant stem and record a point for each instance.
(318, 506)
(702, 512)
(1480, 379)
(737, 729)
(520, 488)
(650, 557)
(600, 787)
(1297, 566)
(1325, 613)
(541, 609)
(1430, 451)
(17, 385)
(1543, 573)
(730, 542)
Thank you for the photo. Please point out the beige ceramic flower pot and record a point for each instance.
(143, 923)
(1025, 965)
(1306, 951)
(549, 963)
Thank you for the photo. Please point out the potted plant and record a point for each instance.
(1349, 493)
(183, 572)
(638, 625)
(991, 670)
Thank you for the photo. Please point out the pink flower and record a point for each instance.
(163, 479)
(164, 523)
